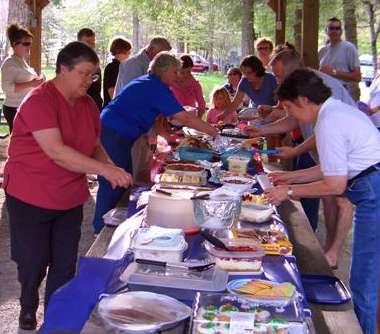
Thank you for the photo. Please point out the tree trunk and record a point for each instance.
(18, 12)
(349, 19)
(136, 31)
(371, 21)
(180, 46)
(297, 28)
(3, 24)
(247, 32)
(211, 32)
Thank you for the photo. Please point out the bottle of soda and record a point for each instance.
(257, 163)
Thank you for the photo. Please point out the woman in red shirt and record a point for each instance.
(54, 144)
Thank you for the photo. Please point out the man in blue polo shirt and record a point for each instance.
(131, 114)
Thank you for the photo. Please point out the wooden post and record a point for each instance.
(35, 27)
(279, 7)
(310, 28)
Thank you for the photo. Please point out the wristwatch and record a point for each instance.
(290, 192)
(334, 72)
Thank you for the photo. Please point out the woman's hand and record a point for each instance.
(253, 131)
(277, 195)
(278, 178)
(117, 176)
(37, 81)
(286, 152)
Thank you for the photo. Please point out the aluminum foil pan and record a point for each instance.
(216, 214)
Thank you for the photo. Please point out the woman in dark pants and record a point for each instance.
(54, 144)
(17, 77)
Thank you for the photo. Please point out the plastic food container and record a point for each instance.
(238, 164)
(184, 174)
(167, 245)
(255, 213)
(195, 154)
(178, 283)
(272, 242)
(278, 294)
(141, 312)
(115, 216)
(245, 261)
(227, 314)
(255, 209)
(232, 151)
(216, 214)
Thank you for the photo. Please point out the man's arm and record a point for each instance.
(283, 125)
(329, 185)
(306, 175)
(195, 122)
(353, 75)
(290, 152)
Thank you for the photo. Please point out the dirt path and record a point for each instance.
(9, 286)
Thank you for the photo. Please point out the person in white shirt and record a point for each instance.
(348, 147)
(17, 77)
(372, 107)
(337, 210)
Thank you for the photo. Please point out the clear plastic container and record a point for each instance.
(167, 245)
(115, 216)
(178, 283)
(226, 314)
(238, 164)
(247, 261)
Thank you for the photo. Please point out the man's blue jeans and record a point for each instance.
(364, 193)
(119, 150)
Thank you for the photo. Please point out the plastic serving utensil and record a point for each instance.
(269, 152)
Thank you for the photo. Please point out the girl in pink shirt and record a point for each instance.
(219, 102)
(187, 89)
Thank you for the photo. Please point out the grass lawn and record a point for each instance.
(209, 82)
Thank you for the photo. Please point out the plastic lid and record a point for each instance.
(159, 238)
(213, 279)
(257, 253)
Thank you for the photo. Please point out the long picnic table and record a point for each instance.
(325, 319)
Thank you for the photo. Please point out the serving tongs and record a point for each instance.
(214, 240)
(177, 265)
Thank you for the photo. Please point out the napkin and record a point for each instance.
(71, 305)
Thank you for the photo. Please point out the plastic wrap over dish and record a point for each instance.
(142, 312)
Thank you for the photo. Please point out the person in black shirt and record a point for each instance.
(120, 49)
(87, 36)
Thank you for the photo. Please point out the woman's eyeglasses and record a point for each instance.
(24, 43)
(88, 76)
